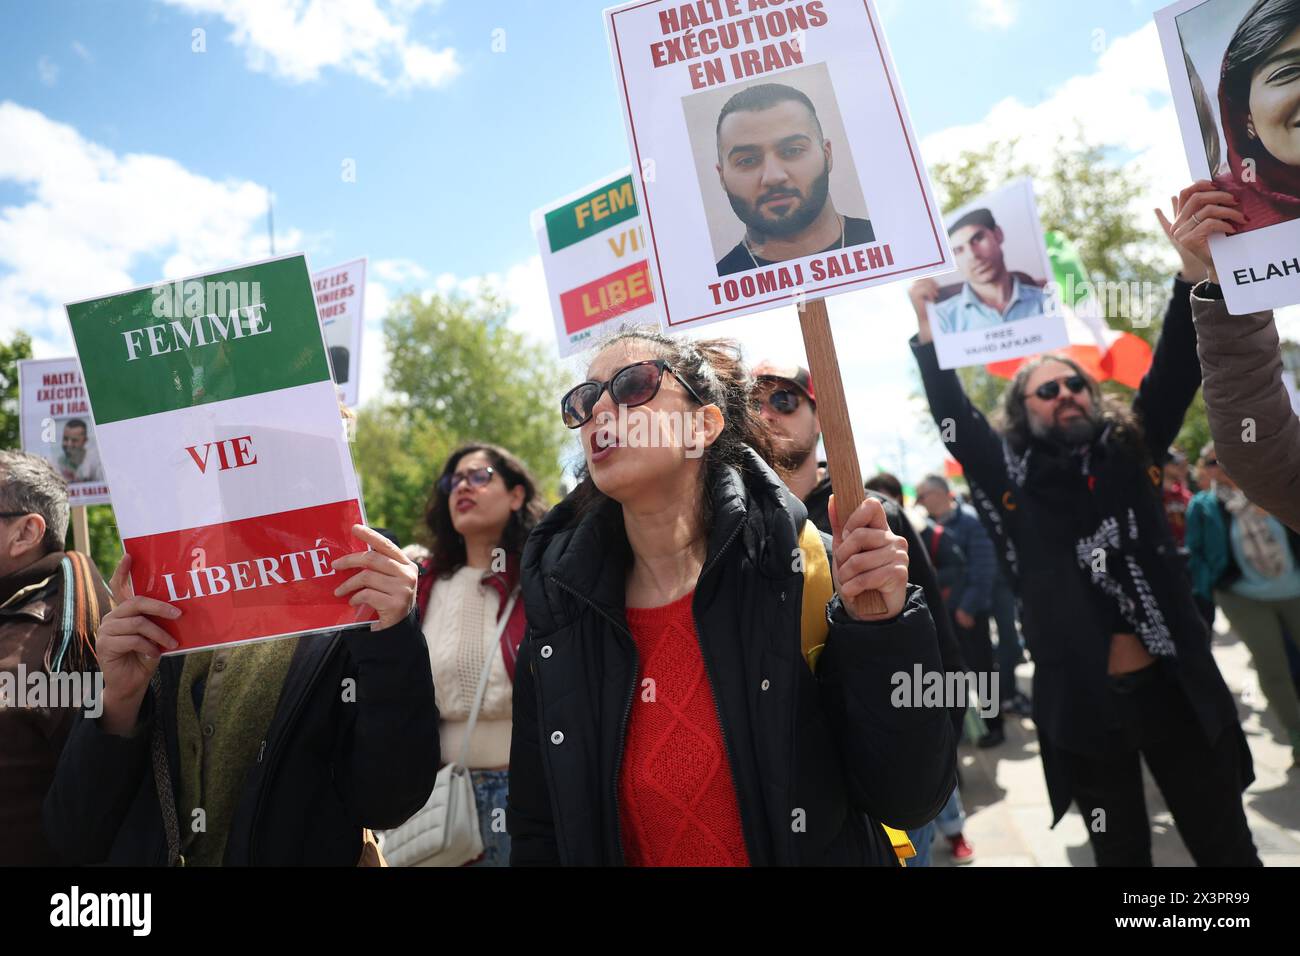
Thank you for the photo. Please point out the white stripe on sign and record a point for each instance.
(242, 458)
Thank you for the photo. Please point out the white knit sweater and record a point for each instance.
(459, 624)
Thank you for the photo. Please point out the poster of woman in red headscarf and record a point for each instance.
(1234, 69)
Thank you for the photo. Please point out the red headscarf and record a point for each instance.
(1274, 195)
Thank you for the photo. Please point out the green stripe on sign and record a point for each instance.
(592, 214)
(208, 339)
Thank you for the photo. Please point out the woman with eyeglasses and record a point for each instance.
(665, 713)
(482, 508)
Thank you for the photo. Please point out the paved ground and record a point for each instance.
(1009, 816)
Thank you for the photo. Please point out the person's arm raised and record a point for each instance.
(963, 429)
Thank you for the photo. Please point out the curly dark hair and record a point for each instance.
(715, 368)
(448, 551)
(1013, 417)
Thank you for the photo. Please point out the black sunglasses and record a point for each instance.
(476, 477)
(1211, 463)
(15, 514)
(631, 386)
(782, 400)
(1049, 390)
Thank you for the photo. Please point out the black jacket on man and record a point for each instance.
(330, 766)
(1038, 506)
(829, 745)
(920, 571)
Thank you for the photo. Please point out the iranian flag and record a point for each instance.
(218, 420)
(1101, 351)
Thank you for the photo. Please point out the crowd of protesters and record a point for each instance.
(695, 657)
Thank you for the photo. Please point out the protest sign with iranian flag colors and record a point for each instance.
(597, 265)
(54, 422)
(219, 430)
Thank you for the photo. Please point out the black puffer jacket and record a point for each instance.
(830, 745)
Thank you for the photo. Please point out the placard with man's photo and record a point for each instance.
(776, 155)
(54, 422)
(1002, 302)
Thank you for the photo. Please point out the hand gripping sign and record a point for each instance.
(777, 165)
(220, 433)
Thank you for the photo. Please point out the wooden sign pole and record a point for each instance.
(833, 412)
(80, 530)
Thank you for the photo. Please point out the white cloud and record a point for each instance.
(79, 48)
(994, 14)
(47, 70)
(92, 220)
(298, 39)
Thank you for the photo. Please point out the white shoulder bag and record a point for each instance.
(444, 832)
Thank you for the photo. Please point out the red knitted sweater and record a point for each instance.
(677, 800)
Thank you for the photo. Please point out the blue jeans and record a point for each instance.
(950, 822)
(490, 788)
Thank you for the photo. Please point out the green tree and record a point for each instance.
(457, 373)
(1084, 193)
(10, 355)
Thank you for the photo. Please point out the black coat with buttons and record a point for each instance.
(817, 761)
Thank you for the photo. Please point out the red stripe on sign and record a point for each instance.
(258, 577)
(617, 293)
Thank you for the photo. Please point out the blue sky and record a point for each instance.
(125, 156)
(448, 176)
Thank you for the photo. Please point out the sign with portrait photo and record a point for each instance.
(597, 262)
(1001, 303)
(776, 159)
(55, 423)
(1234, 69)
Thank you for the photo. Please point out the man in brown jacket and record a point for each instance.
(50, 606)
(1256, 431)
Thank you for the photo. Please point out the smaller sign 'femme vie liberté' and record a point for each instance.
(217, 418)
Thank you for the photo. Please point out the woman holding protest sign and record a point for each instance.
(1252, 419)
(670, 707)
(483, 506)
(278, 752)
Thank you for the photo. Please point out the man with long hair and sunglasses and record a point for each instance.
(1069, 488)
